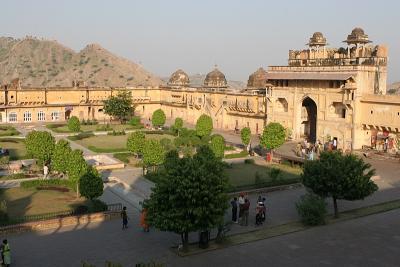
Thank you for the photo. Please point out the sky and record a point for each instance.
(237, 36)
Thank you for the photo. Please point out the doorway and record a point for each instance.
(309, 119)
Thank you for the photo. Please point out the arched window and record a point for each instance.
(27, 116)
(41, 116)
(12, 117)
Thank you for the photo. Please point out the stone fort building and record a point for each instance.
(322, 93)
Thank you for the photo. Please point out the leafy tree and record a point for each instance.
(178, 125)
(218, 145)
(60, 157)
(158, 118)
(153, 153)
(245, 135)
(339, 177)
(134, 121)
(40, 145)
(77, 167)
(273, 136)
(91, 184)
(74, 124)
(190, 194)
(135, 142)
(312, 209)
(119, 106)
(204, 125)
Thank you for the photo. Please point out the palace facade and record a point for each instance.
(323, 93)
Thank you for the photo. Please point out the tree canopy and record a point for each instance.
(273, 136)
(217, 145)
(119, 106)
(60, 157)
(135, 142)
(245, 135)
(74, 124)
(204, 125)
(339, 177)
(153, 153)
(40, 145)
(190, 194)
(158, 118)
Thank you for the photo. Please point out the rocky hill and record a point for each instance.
(394, 88)
(38, 62)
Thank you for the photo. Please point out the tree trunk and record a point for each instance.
(77, 190)
(335, 207)
(185, 240)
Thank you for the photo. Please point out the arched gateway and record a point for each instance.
(309, 119)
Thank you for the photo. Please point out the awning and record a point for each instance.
(309, 76)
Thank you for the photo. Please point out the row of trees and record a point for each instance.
(62, 159)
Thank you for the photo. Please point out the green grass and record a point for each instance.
(7, 130)
(111, 143)
(241, 154)
(29, 201)
(124, 156)
(15, 176)
(242, 176)
(15, 146)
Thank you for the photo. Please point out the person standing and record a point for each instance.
(6, 253)
(246, 209)
(45, 171)
(241, 203)
(143, 220)
(124, 217)
(234, 209)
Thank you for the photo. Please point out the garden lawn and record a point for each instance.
(111, 143)
(15, 146)
(242, 176)
(22, 202)
(63, 128)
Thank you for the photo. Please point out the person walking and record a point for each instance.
(6, 253)
(124, 217)
(45, 171)
(241, 203)
(234, 209)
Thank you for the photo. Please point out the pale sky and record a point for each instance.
(238, 36)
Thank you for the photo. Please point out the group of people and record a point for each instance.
(310, 151)
(243, 205)
(143, 219)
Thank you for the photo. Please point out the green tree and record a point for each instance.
(40, 145)
(158, 118)
(245, 135)
(339, 177)
(119, 106)
(204, 125)
(74, 124)
(134, 121)
(273, 136)
(91, 184)
(190, 194)
(217, 145)
(77, 167)
(135, 142)
(60, 157)
(153, 153)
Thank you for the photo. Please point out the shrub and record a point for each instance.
(242, 154)
(98, 206)
(167, 144)
(311, 209)
(81, 136)
(204, 125)
(73, 124)
(158, 118)
(249, 161)
(3, 211)
(116, 133)
(49, 182)
(218, 145)
(153, 153)
(135, 142)
(274, 174)
(60, 156)
(105, 127)
(91, 184)
(134, 121)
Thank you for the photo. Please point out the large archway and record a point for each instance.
(309, 119)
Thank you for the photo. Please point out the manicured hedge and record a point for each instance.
(242, 154)
(49, 182)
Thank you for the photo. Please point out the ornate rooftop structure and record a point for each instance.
(257, 79)
(215, 79)
(357, 36)
(317, 39)
(179, 78)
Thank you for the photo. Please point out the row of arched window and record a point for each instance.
(27, 116)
